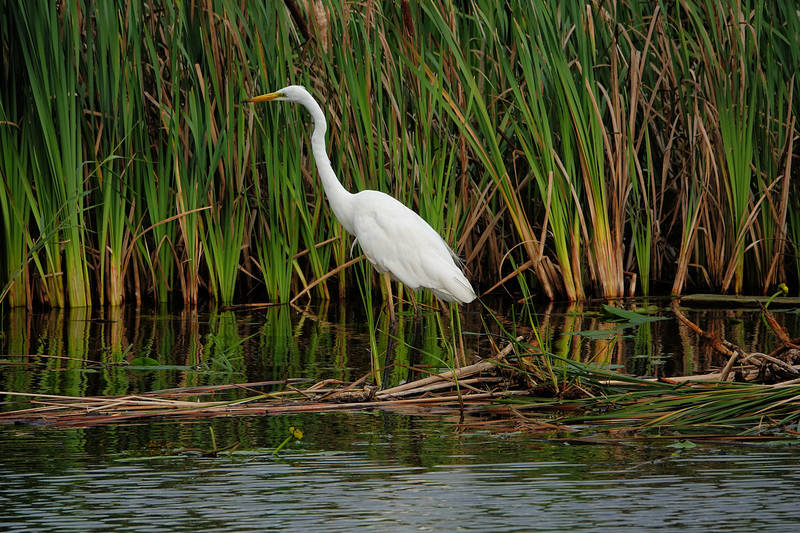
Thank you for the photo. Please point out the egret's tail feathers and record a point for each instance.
(458, 289)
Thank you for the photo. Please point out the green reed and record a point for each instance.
(280, 205)
(535, 132)
(734, 110)
(776, 147)
(157, 207)
(15, 211)
(466, 100)
(226, 236)
(52, 60)
(376, 362)
(112, 121)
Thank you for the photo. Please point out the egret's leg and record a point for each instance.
(388, 282)
(456, 317)
(388, 361)
(453, 320)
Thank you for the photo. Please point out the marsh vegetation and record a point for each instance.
(568, 149)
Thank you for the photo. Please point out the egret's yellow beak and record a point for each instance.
(264, 98)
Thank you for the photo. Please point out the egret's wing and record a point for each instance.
(390, 237)
(397, 240)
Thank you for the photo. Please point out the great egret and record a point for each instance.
(393, 237)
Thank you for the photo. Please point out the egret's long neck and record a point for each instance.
(338, 197)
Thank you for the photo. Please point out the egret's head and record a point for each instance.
(292, 93)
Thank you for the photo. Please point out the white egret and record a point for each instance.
(394, 238)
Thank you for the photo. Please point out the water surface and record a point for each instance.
(384, 472)
(125, 351)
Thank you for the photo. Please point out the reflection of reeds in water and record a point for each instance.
(601, 147)
(118, 351)
(69, 358)
(650, 342)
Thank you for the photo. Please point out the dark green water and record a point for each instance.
(381, 471)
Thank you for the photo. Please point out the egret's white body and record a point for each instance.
(393, 237)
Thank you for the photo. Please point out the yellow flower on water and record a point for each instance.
(783, 290)
(293, 432)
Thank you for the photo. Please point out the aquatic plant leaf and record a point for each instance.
(597, 333)
(631, 316)
(144, 361)
(683, 445)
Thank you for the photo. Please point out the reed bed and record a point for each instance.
(604, 148)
